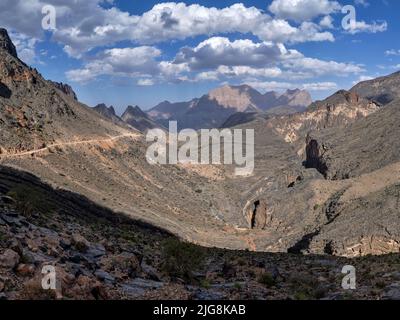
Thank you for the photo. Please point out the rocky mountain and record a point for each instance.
(108, 112)
(66, 89)
(383, 90)
(213, 110)
(138, 119)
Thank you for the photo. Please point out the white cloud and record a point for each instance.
(392, 52)
(321, 67)
(362, 78)
(319, 86)
(215, 59)
(362, 26)
(25, 47)
(326, 22)
(218, 51)
(145, 82)
(84, 24)
(274, 85)
(130, 62)
(303, 10)
(279, 30)
(363, 3)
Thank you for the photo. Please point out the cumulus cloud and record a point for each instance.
(219, 57)
(303, 10)
(84, 24)
(215, 59)
(326, 22)
(218, 51)
(317, 67)
(130, 62)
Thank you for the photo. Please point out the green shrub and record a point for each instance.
(267, 280)
(181, 259)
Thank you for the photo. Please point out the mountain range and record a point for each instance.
(76, 190)
(213, 109)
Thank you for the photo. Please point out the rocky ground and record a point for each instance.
(99, 254)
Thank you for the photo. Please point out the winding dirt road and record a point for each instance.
(72, 143)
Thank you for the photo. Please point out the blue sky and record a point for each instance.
(143, 52)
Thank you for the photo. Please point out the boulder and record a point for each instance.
(80, 243)
(9, 259)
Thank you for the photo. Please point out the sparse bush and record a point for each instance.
(307, 288)
(267, 280)
(237, 286)
(181, 259)
(205, 284)
(29, 200)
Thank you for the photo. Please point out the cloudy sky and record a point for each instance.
(124, 52)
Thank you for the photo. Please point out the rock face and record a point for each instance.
(214, 109)
(6, 43)
(338, 110)
(242, 98)
(66, 89)
(383, 90)
(138, 119)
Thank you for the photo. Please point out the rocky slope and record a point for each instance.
(382, 90)
(66, 89)
(98, 254)
(340, 109)
(213, 110)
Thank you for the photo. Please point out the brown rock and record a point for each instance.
(80, 243)
(25, 270)
(9, 259)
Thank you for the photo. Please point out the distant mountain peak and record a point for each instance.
(138, 119)
(240, 97)
(134, 111)
(6, 43)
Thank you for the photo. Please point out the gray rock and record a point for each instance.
(150, 272)
(392, 292)
(138, 286)
(10, 220)
(96, 251)
(203, 294)
(104, 276)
